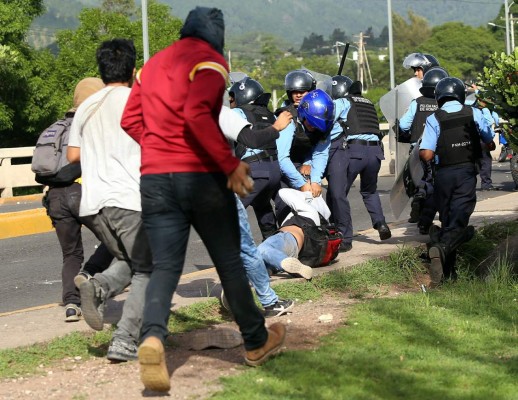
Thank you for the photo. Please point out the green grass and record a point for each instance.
(457, 342)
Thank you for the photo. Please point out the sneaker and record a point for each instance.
(72, 313)
(293, 266)
(92, 303)
(345, 247)
(120, 350)
(81, 277)
(436, 254)
(220, 338)
(276, 336)
(279, 308)
(153, 369)
(384, 231)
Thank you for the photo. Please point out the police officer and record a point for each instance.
(420, 63)
(306, 141)
(452, 137)
(362, 156)
(297, 83)
(411, 127)
(247, 98)
(336, 196)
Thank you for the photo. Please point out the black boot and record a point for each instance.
(384, 230)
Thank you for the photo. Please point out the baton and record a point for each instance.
(342, 61)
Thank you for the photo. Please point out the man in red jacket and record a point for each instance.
(188, 178)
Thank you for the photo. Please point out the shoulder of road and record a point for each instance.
(41, 324)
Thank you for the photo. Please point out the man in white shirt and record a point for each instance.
(110, 202)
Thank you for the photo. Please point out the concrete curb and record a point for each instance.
(23, 223)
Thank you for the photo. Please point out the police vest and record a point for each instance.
(260, 118)
(426, 106)
(459, 140)
(362, 117)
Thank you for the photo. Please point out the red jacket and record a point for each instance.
(173, 110)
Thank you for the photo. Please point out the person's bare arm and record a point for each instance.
(73, 154)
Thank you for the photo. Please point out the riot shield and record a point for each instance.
(324, 82)
(406, 182)
(393, 105)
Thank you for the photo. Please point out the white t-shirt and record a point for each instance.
(305, 205)
(110, 158)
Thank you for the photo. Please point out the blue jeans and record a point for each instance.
(253, 262)
(276, 248)
(171, 203)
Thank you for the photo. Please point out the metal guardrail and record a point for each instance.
(17, 175)
(20, 175)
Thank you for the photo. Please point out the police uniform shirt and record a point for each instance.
(405, 122)
(342, 107)
(319, 156)
(432, 128)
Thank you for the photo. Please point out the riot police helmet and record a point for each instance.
(450, 88)
(317, 108)
(430, 80)
(340, 86)
(246, 91)
(299, 80)
(420, 60)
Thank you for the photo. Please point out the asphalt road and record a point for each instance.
(30, 266)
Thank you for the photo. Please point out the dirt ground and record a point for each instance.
(194, 374)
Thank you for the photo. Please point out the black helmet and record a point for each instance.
(430, 80)
(420, 60)
(246, 91)
(299, 80)
(340, 87)
(450, 87)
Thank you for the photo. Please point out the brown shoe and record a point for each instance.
(276, 336)
(153, 369)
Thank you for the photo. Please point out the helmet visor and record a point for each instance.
(415, 60)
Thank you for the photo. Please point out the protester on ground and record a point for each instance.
(110, 162)
(62, 204)
(452, 137)
(188, 175)
(280, 252)
(362, 156)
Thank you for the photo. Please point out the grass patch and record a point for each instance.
(458, 342)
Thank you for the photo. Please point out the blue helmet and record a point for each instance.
(318, 109)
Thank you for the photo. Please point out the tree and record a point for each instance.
(461, 49)
(77, 48)
(499, 81)
(27, 86)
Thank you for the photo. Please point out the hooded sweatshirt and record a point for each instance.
(175, 102)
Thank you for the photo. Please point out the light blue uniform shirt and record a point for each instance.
(317, 160)
(342, 108)
(432, 128)
(405, 122)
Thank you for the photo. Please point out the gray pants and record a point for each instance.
(123, 233)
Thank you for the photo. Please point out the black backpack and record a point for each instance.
(321, 243)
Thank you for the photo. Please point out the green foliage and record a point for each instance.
(461, 49)
(76, 59)
(499, 81)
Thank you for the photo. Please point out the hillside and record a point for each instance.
(292, 20)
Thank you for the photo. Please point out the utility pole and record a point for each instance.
(391, 45)
(363, 62)
(145, 36)
(507, 41)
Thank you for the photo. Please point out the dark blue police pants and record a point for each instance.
(455, 198)
(486, 164)
(267, 179)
